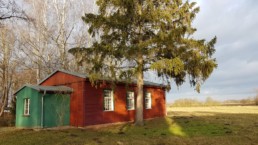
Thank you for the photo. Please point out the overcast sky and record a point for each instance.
(235, 23)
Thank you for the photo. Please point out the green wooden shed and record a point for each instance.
(42, 106)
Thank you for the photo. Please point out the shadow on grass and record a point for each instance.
(211, 124)
(183, 124)
(177, 128)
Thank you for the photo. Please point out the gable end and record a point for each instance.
(63, 71)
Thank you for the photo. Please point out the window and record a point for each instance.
(108, 100)
(26, 110)
(130, 100)
(147, 100)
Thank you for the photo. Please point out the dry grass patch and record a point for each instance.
(217, 109)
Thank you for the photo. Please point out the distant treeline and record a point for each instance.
(186, 102)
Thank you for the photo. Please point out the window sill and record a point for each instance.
(130, 109)
(148, 108)
(26, 115)
(108, 110)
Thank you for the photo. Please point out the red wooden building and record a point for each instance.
(90, 105)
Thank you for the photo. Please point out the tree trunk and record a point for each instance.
(4, 72)
(139, 100)
(5, 97)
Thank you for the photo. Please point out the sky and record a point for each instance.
(235, 23)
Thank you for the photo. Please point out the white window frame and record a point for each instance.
(108, 100)
(130, 97)
(26, 109)
(148, 102)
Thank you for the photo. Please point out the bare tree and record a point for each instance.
(57, 27)
(256, 97)
(35, 47)
(9, 11)
(7, 66)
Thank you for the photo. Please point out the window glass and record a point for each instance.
(130, 100)
(147, 100)
(26, 110)
(108, 100)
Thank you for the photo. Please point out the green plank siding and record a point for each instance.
(56, 109)
(33, 120)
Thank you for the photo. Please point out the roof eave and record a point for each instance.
(44, 90)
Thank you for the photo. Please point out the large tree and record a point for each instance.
(8, 65)
(55, 28)
(9, 11)
(135, 36)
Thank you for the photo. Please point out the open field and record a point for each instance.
(183, 126)
(216, 109)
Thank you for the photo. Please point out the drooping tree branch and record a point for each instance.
(10, 17)
(9, 10)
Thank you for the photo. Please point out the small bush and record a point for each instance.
(187, 103)
(195, 103)
(3, 122)
(7, 120)
(256, 100)
(13, 106)
(211, 102)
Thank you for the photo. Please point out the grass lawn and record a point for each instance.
(183, 126)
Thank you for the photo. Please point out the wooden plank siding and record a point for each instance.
(77, 97)
(94, 113)
(87, 101)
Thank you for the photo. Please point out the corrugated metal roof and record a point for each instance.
(146, 83)
(134, 82)
(51, 88)
(62, 89)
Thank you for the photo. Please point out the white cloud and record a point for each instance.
(235, 24)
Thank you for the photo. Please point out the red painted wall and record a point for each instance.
(87, 101)
(77, 98)
(94, 113)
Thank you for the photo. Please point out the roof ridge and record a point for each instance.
(148, 83)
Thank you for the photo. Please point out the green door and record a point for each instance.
(56, 110)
